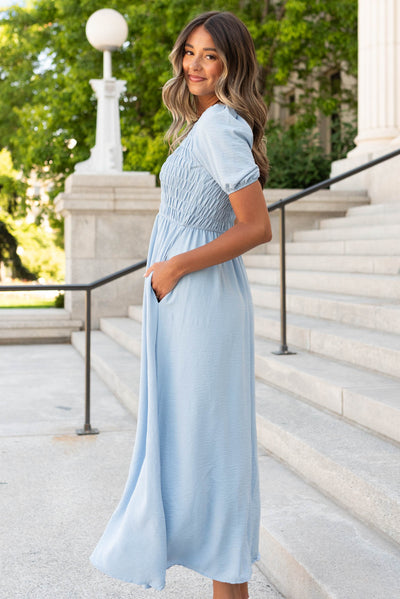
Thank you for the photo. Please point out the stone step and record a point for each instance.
(343, 461)
(36, 325)
(376, 286)
(349, 233)
(361, 247)
(298, 523)
(313, 549)
(337, 457)
(359, 311)
(391, 207)
(361, 220)
(368, 399)
(117, 367)
(369, 349)
(135, 312)
(361, 264)
(124, 331)
(322, 201)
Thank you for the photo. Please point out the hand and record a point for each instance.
(164, 278)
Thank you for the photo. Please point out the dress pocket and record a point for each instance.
(161, 300)
(153, 293)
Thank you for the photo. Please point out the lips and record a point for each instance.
(196, 79)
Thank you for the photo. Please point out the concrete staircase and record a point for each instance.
(36, 325)
(329, 416)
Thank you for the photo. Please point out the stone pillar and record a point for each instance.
(378, 101)
(378, 74)
(106, 156)
(108, 221)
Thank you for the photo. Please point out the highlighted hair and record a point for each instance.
(236, 87)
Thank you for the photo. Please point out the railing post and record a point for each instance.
(87, 429)
(282, 242)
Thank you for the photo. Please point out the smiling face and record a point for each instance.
(202, 67)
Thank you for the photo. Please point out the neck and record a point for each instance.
(205, 102)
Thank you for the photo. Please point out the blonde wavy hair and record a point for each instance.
(236, 87)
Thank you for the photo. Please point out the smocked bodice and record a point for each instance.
(189, 195)
(214, 160)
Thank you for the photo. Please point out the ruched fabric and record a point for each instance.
(192, 495)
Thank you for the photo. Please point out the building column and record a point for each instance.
(378, 101)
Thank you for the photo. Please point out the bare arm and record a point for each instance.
(252, 227)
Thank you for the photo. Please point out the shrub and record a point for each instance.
(59, 300)
(297, 159)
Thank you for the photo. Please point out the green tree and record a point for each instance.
(46, 100)
(12, 189)
(39, 252)
(12, 203)
(9, 254)
(29, 248)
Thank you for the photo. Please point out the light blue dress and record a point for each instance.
(192, 495)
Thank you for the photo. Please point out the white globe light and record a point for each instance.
(106, 29)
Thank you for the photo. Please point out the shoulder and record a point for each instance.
(222, 144)
(222, 122)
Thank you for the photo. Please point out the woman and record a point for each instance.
(192, 494)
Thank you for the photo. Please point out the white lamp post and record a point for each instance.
(106, 30)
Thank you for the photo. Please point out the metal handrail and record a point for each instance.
(280, 205)
(88, 288)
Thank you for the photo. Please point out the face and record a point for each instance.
(202, 67)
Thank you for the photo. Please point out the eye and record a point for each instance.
(188, 52)
(211, 57)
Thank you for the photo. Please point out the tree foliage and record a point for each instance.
(39, 252)
(28, 248)
(46, 62)
(297, 158)
(12, 189)
(12, 203)
(9, 254)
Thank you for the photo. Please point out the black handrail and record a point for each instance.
(328, 182)
(280, 205)
(88, 288)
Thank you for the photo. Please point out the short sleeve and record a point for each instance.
(222, 145)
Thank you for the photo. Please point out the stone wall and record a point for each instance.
(108, 221)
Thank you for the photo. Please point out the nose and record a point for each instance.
(195, 66)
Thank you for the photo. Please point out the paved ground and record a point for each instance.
(57, 490)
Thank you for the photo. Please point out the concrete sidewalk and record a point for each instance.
(57, 490)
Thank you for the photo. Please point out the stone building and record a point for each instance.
(328, 416)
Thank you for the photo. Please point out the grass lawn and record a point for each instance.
(28, 299)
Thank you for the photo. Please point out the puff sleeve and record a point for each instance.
(222, 145)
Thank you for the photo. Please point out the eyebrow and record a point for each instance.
(213, 49)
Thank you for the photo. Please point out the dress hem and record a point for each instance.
(147, 585)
